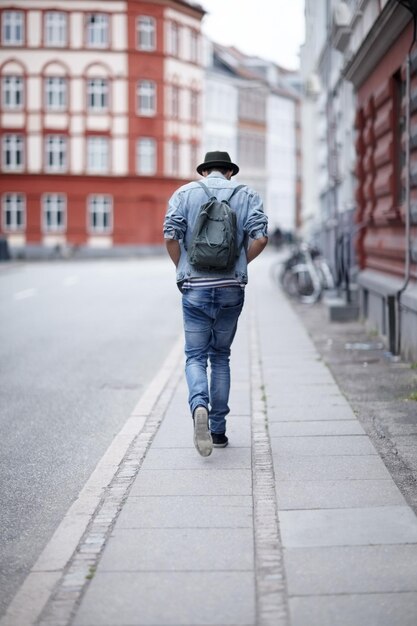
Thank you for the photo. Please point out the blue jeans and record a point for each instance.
(210, 322)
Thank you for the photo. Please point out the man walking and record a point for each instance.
(212, 297)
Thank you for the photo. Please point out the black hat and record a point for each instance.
(217, 159)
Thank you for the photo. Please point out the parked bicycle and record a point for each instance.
(305, 274)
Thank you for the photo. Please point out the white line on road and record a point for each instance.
(71, 280)
(25, 293)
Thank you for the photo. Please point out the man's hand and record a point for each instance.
(256, 248)
(174, 250)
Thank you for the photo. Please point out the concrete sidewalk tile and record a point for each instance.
(279, 413)
(390, 609)
(169, 599)
(181, 436)
(322, 446)
(185, 458)
(186, 512)
(179, 549)
(353, 569)
(333, 494)
(348, 527)
(315, 429)
(334, 467)
(306, 403)
(204, 482)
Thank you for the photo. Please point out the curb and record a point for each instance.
(38, 587)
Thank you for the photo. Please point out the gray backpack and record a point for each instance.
(213, 246)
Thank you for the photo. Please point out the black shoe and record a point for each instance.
(219, 441)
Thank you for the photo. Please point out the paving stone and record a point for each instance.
(185, 458)
(336, 467)
(186, 512)
(169, 599)
(179, 549)
(333, 494)
(238, 431)
(322, 446)
(279, 413)
(192, 482)
(390, 609)
(316, 428)
(353, 569)
(344, 527)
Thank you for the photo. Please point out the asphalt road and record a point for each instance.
(80, 340)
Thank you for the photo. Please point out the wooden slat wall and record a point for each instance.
(381, 245)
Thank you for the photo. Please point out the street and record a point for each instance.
(80, 341)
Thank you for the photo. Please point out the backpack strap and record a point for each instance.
(209, 195)
(235, 190)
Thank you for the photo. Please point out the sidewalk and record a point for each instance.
(296, 523)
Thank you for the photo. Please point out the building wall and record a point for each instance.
(281, 163)
(135, 195)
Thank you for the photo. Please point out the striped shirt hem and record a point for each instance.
(200, 283)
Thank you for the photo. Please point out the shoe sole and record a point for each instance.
(220, 445)
(202, 436)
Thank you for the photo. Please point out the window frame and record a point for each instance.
(148, 32)
(54, 227)
(13, 91)
(54, 28)
(54, 169)
(101, 164)
(104, 27)
(19, 139)
(56, 93)
(149, 111)
(14, 227)
(100, 229)
(94, 93)
(143, 155)
(174, 39)
(13, 41)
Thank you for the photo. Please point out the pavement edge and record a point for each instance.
(69, 558)
(271, 589)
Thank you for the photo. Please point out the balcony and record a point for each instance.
(341, 30)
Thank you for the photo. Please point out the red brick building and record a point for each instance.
(100, 119)
(387, 222)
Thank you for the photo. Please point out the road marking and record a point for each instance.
(44, 579)
(26, 293)
(71, 280)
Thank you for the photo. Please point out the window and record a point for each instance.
(14, 212)
(12, 92)
(175, 101)
(100, 214)
(145, 33)
(54, 213)
(146, 156)
(55, 93)
(194, 101)
(56, 153)
(173, 157)
(55, 29)
(13, 28)
(97, 155)
(97, 94)
(194, 46)
(97, 30)
(174, 39)
(13, 153)
(146, 97)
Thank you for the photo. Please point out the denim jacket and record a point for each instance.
(182, 213)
